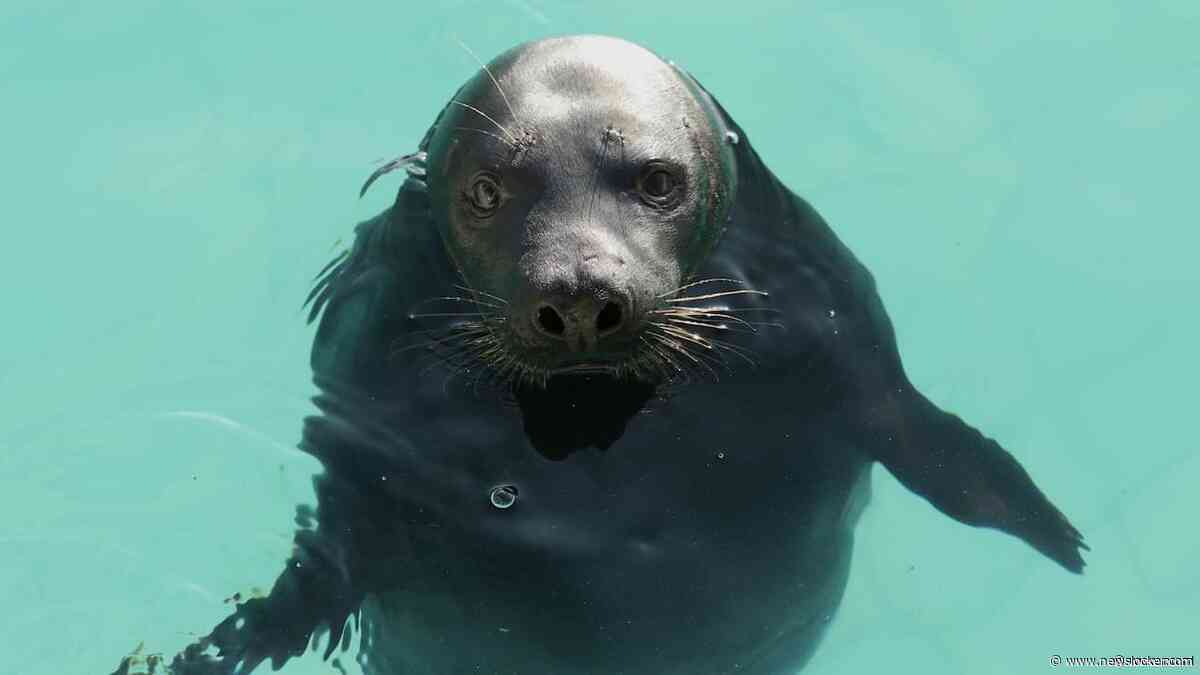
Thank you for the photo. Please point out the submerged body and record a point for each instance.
(712, 536)
(600, 395)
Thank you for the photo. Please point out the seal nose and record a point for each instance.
(580, 323)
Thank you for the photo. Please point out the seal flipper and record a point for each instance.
(933, 453)
(358, 546)
(965, 474)
(332, 567)
(310, 593)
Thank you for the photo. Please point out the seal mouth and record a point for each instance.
(570, 411)
(589, 363)
(586, 365)
(583, 367)
(615, 364)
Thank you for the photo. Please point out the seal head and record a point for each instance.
(575, 183)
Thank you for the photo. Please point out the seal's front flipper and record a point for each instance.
(311, 593)
(965, 474)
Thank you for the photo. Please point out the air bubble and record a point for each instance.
(504, 496)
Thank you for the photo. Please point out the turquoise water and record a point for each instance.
(1020, 179)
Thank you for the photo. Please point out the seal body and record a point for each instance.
(714, 535)
(600, 395)
(667, 553)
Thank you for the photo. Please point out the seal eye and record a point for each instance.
(658, 185)
(484, 195)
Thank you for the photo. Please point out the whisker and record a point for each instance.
(680, 314)
(434, 315)
(712, 346)
(752, 325)
(722, 294)
(488, 133)
(682, 334)
(674, 346)
(734, 349)
(439, 361)
(486, 116)
(700, 282)
(464, 330)
(685, 338)
(489, 74)
(732, 310)
(468, 289)
(462, 359)
(454, 298)
(666, 358)
(456, 335)
(714, 326)
(681, 349)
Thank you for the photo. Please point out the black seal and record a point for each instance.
(599, 394)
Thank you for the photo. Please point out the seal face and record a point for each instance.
(576, 183)
(583, 195)
(702, 376)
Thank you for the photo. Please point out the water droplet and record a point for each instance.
(720, 455)
(832, 313)
(732, 138)
(504, 496)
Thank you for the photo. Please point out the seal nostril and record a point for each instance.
(549, 321)
(609, 318)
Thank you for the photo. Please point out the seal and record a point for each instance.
(599, 394)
